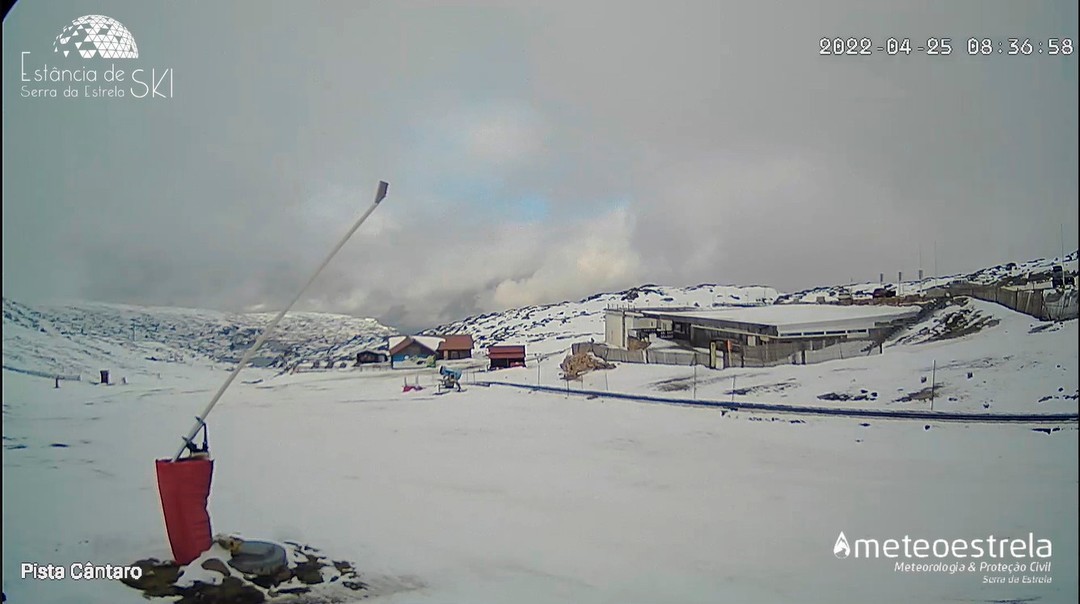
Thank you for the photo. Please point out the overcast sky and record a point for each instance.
(537, 151)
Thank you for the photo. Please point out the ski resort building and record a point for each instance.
(412, 351)
(761, 335)
(368, 357)
(504, 356)
(458, 346)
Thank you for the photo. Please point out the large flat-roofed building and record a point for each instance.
(762, 335)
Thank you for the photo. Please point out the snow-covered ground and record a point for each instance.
(493, 495)
(497, 494)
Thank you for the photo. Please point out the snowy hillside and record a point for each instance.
(553, 327)
(84, 338)
(547, 496)
(981, 357)
(1013, 273)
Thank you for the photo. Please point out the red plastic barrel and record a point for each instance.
(185, 487)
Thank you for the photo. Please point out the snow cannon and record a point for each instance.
(184, 482)
(451, 378)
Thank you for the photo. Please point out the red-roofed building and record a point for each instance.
(458, 346)
(502, 357)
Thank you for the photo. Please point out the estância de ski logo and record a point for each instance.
(90, 60)
(92, 36)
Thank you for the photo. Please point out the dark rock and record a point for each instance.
(267, 581)
(217, 566)
(310, 572)
(294, 590)
(231, 590)
(157, 578)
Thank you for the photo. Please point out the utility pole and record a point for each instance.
(933, 383)
(1062, 234)
(936, 273)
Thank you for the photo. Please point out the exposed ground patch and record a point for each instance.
(861, 395)
(308, 578)
(964, 320)
(920, 395)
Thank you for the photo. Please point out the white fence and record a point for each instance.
(310, 368)
(843, 350)
(672, 356)
(1061, 307)
(676, 357)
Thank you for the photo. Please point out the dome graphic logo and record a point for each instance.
(96, 36)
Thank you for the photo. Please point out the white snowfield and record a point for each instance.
(492, 495)
(497, 494)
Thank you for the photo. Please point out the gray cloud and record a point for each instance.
(536, 152)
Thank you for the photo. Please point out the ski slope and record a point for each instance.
(491, 496)
(505, 495)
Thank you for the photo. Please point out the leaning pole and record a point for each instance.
(184, 483)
